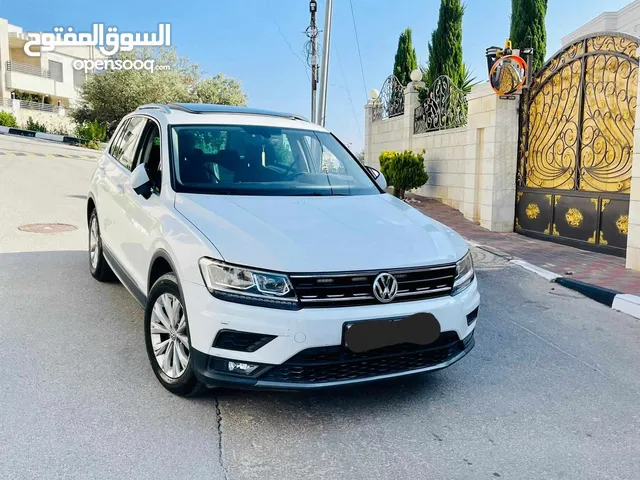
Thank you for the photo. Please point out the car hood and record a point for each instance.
(320, 234)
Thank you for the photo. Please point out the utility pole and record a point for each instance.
(324, 72)
(312, 33)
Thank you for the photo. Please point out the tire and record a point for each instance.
(166, 330)
(98, 266)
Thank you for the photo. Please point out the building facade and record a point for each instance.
(626, 20)
(41, 87)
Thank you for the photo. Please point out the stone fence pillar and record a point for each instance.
(633, 235)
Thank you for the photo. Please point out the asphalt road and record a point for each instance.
(550, 391)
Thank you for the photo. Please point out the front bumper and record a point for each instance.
(295, 375)
(292, 358)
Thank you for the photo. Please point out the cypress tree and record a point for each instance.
(445, 47)
(406, 60)
(528, 29)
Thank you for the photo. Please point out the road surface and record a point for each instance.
(550, 391)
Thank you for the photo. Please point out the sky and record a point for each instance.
(261, 42)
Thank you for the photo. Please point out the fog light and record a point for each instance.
(241, 367)
(472, 316)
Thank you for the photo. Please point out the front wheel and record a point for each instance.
(167, 338)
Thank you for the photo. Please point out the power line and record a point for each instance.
(291, 49)
(346, 86)
(355, 30)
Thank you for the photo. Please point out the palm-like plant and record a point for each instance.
(467, 79)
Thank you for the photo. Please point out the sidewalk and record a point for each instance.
(596, 269)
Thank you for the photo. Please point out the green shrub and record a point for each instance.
(92, 131)
(60, 130)
(403, 170)
(94, 144)
(8, 120)
(35, 126)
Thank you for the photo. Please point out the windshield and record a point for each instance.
(258, 160)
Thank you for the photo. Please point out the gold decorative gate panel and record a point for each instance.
(576, 144)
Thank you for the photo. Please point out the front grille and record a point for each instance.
(332, 364)
(241, 341)
(356, 288)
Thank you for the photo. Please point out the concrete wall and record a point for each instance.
(625, 20)
(471, 168)
(55, 121)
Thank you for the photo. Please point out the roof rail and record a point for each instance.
(155, 106)
(204, 108)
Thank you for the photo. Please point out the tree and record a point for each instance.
(528, 29)
(221, 90)
(110, 94)
(445, 47)
(406, 60)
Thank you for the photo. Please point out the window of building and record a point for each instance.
(55, 69)
(79, 77)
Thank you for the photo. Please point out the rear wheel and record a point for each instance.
(98, 266)
(167, 338)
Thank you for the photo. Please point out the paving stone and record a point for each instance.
(596, 268)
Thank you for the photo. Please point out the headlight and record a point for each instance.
(245, 285)
(464, 274)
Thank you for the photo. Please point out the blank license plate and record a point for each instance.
(420, 329)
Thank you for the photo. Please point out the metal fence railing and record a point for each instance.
(444, 106)
(28, 69)
(42, 107)
(390, 101)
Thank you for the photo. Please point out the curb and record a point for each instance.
(602, 295)
(45, 136)
(622, 302)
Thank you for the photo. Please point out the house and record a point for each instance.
(39, 87)
(626, 20)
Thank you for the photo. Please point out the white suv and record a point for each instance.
(265, 255)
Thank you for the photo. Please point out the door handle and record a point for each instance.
(119, 189)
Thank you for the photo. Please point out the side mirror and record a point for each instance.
(378, 177)
(140, 181)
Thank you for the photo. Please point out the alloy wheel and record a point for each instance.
(169, 335)
(94, 251)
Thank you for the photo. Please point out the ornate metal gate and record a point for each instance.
(576, 145)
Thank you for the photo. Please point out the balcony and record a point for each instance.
(30, 78)
(28, 69)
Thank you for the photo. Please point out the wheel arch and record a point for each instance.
(91, 206)
(160, 264)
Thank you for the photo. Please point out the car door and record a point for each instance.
(110, 171)
(117, 175)
(142, 220)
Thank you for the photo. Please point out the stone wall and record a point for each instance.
(471, 168)
(58, 121)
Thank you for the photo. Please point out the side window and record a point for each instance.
(129, 141)
(149, 153)
(116, 150)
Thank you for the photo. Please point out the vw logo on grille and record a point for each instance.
(385, 287)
